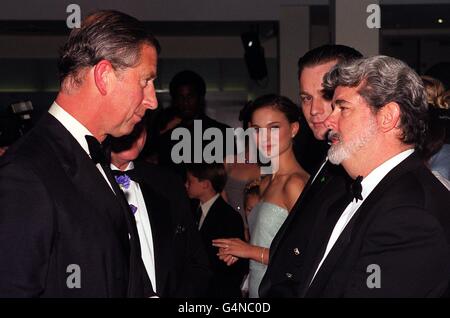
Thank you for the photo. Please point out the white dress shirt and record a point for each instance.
(77, 130)
(368, 184)
(205, 209)
(134, 196)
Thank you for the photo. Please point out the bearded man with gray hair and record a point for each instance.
(388, 236)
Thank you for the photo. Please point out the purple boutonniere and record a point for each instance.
(133, 209)
(123, 181)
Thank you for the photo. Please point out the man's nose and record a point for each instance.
(318, 106)
(150, 101)
(331, 121)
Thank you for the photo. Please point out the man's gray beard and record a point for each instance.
(338, 153)
(342, 151)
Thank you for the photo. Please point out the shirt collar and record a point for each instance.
(75, 128)
(129, 167)
(207, 205)
(374, 177)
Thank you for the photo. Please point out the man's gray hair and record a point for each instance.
(384, 79)
(104, 35)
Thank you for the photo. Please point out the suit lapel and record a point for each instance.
(327, 216)
(81, 170)
(161, 225)
(308, 193)
(211, 217)
(333, 256)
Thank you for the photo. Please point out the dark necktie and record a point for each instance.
(355, 189)
(100, 153)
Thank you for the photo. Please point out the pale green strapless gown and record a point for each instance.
(264, 222)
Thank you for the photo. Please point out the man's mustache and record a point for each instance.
(332, 135)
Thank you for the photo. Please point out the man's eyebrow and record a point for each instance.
(340, 101)
(149, 74)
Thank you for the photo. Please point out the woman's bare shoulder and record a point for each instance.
(296, 180)
(293, 187)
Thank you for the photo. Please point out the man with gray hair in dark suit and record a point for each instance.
(66, 229)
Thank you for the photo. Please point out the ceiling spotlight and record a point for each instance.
(254, 55)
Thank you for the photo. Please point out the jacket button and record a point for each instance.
(296, 251)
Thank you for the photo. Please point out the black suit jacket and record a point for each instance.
(59, 221)
(287, 250)
(403, 227)
(309, 151)
(181, 263)
(222, 221)
(165, 144)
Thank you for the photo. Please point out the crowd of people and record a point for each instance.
(93, 204)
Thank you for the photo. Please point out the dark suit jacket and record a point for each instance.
(165, 144)
(287, 250)
(182, 268)
(222, 221)
(403, 227)
(309, 151)
(58, 211)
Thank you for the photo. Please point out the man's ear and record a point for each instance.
(389, 116)
(206, 184)
(103, 71)
(141, 139)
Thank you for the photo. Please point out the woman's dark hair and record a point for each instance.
(278, 102)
